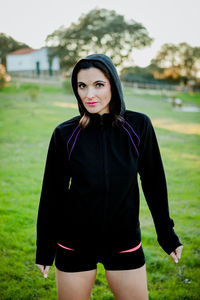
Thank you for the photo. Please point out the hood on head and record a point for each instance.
(117, 95)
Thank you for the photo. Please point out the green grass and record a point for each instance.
(188, 98)
(25, 129)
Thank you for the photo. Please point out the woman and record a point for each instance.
(89, 206)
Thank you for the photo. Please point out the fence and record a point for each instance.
(155, 86)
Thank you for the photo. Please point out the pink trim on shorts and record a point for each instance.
(65, 247)
(132, 249)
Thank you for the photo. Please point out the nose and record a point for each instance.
(90, 93)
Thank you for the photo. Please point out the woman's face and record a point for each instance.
(94, 89)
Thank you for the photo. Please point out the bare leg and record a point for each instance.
(76, 285)
(128, 284)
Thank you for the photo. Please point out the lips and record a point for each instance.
(91, 103)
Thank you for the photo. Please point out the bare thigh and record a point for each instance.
(76, 285)
(128, 284)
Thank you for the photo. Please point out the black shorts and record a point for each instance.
(71, 260)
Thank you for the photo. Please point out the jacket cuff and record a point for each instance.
(44, 257)
(169, 243)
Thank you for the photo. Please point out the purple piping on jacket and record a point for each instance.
(71, 137)
(131, 140)
(74, 143)
(133, 132)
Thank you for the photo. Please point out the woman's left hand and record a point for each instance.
(176, 254)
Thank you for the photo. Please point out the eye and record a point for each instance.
(81, 85)
(99, 84)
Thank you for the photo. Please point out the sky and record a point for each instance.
(167, 21)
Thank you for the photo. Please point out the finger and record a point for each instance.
(179, 251)
(46, 271)
(41, 267)
(42, 270)
(174, 257)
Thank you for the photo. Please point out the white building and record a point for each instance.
(32, 63)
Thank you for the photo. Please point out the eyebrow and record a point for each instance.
(93, 82)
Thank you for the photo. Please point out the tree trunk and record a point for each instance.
(3, 62)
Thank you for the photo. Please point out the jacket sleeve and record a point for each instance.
(54, 186)
(155, 188)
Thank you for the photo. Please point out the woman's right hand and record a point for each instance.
(44, 270)
(176, 254)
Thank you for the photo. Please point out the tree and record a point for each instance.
(177, 61)
(7, 45)
(4, 78)
(98, 31)
(137, 74)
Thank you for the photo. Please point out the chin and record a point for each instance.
(93, 110)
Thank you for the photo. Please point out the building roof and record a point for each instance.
(22, 51)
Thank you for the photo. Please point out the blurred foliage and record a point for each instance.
(143, 75)
(174, 64)
(4, 78)
(136, 74)
(7, 45)
(177, 62)
(98, 31)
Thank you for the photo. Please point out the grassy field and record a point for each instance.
(26, 125)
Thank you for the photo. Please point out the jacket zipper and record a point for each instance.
(105, 158)
(105, 165)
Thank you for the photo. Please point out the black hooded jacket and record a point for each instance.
(90, 194)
